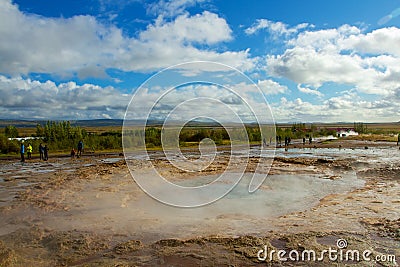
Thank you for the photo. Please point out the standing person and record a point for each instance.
(41, 151)
(22, 151)
(45, 153)
(398, 139)
(304, 141)
(29, 151)
(310, 139)
(73, 153)
(80, 148)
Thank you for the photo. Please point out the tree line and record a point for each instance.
(61, 136)
(220, 136)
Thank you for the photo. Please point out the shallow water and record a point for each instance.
(110, 160)
(242, 212)
(279, 194)
(379, 154)
(371, 155)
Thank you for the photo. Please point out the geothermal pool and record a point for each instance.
(118, 204)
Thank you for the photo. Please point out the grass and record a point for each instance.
(374, 137)
(377, 132)
(30, 131)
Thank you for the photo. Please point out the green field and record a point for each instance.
(62, 136)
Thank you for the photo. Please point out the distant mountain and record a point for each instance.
(18, 123)
(97, 123)
(194, 123)
(81, 123)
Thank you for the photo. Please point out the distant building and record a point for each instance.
(346, 132)
(25, 138)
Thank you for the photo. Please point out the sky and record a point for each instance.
(313, 60)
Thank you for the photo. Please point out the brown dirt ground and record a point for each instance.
(367, 217)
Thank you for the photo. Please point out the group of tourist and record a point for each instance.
(44, 151)
(288, 140)
(80, 150)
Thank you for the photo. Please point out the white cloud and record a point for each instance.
(217, 101)
(309, 91)
(380, 41)
(83, 46)
(32, 43)
(368, 62)
(205, 28)
(270, 87)
(168, 43)
(30, 99)
(171, 8)
(306, 65)
(275, 28)
(342, 56)
(267, 87)
(343, 102)
(348, 107)
(324, 40)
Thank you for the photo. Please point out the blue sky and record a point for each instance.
(315, 61)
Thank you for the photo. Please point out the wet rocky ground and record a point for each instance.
(90, 212)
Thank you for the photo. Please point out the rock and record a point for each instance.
(127, 247)
(7, 255)
(170, 242)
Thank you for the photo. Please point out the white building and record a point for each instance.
(346, 132)
(24, 138)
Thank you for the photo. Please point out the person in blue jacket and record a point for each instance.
(22, 151)
(80, 148)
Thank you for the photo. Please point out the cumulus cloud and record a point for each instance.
(380, 41)
(205, 28)
(83, 46)
(307, 90)
(347, 107)
(326, 39)
(306, 65)
(267, 87)
(30, 99)
(168, 43)
(275, 28)
(270, 87)
(345, 55)
(343, 102)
